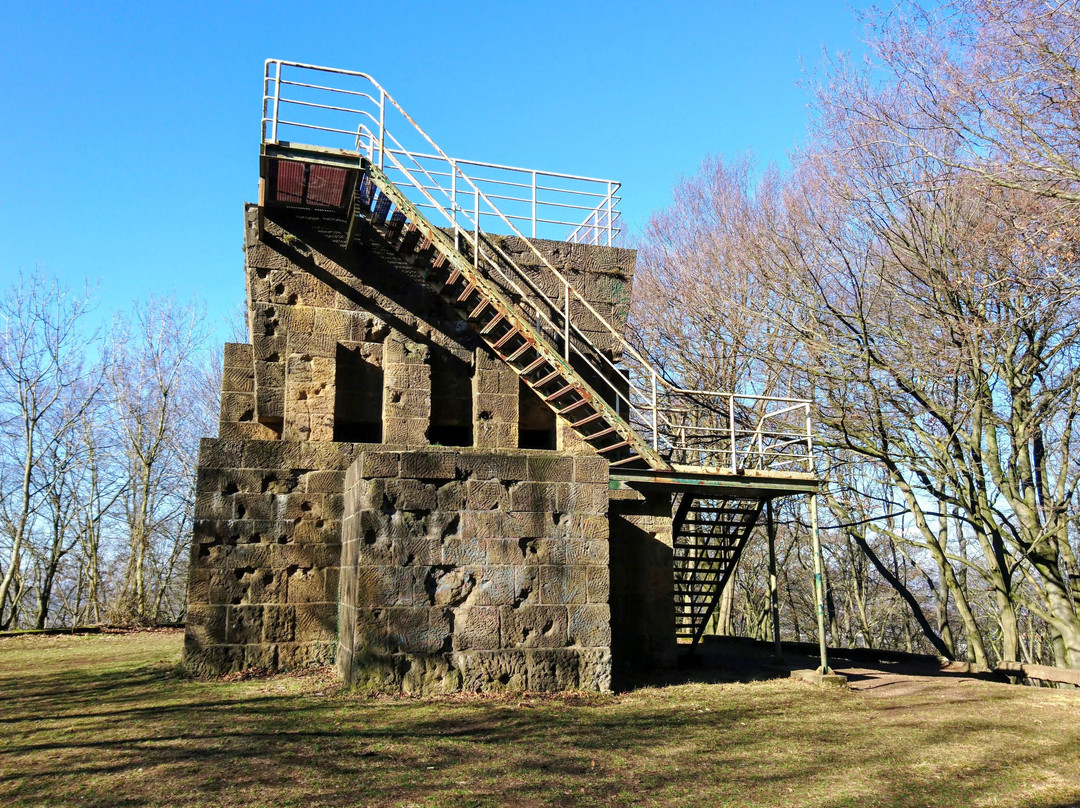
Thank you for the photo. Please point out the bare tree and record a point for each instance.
(925, 298)
(157, 384)
(47, 381)
(987, 87)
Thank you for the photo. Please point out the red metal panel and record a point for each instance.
(326, 185)
(290, 181)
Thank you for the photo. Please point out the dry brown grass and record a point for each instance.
(106, 720)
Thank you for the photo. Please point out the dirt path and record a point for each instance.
(909, 681)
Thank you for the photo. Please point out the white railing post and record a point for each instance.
(566, 320)
(655, 421)
(731, 427)
(476, 231)
(534, 204)
(809, 442)
(382, 126)
(453, 205)
(277, 100)
(610, 194)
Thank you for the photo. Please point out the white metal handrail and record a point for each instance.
(711, 423)
(355, 118)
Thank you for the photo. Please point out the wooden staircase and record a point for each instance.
(708, 538)
(456, 274)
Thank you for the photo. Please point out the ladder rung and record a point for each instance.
(575, 405)
(718, 523)
(408, 241)
(612, 447)
(555, 373)
(599, 434)
(536, 363)
(366, 193)
(483, 305)
(687, 582)
(719, 553)
(440, 259)
(393, 227)
(560, 393)
(588, 419)
(713, 509)
(499, 317)
(626, 460)
(382, 207)
(470, 287)
(505, 338)
(519, 352)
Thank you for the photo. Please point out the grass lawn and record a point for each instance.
(108, 720)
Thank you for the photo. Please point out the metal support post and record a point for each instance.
(809, 442)
(731, 427)
(819, 584)
(774, 601)
(610, 194)
(453, 205)
(655, 423)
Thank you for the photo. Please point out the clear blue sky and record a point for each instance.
(130, 130)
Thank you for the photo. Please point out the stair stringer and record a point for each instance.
(474, 279)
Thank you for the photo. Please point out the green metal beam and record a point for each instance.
(750, 486)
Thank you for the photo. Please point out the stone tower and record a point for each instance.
(385, 492)
(440, 463)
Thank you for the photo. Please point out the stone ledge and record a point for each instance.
(834, 680)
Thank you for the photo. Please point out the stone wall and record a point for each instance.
(475, 571)
(602, 275)
(265, 555)
(642, 582)
(479, 567)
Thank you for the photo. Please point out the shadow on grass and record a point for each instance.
(142, 735)
(724, 660)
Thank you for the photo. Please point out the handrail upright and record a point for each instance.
(277, 102)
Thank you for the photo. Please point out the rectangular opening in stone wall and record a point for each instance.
(451, 400)
(358, 396)
(536, 420)
(275, 425)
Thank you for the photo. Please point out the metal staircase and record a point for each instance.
(706, 548)
(377, 166)
(505, 328)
